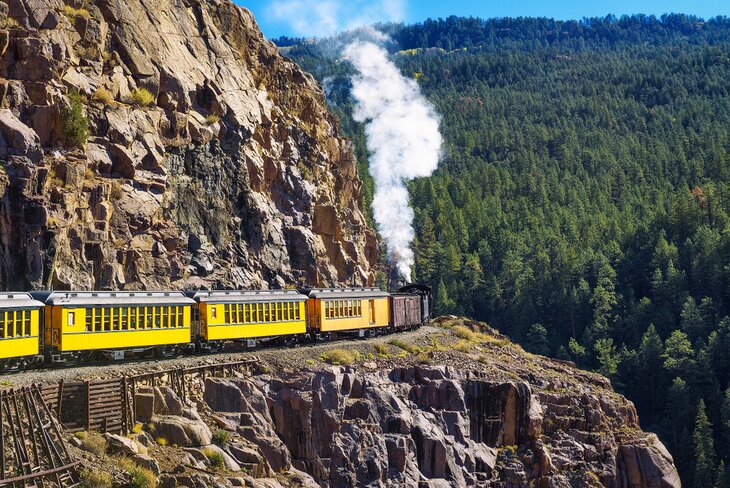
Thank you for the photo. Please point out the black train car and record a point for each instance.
(411, 306)
(405, 310)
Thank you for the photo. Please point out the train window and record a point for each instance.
(26, 321)
(297, 311)
(89, 319)
(359, 308)
(342, 308)
(213, 312)
(123, 323)
(349, 308)
(227, 313)
(2, 325)
(260, 308)
(71, 319)
(180, 315)
(132, 317)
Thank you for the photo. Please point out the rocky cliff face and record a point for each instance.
(484, 413)
(231, 173)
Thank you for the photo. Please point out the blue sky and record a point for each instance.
(321, 17)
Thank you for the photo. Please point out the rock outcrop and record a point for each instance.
(435, 426)
(211, 160)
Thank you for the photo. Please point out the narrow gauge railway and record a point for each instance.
(69, 327)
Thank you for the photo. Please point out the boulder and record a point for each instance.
(17, 139)
(167, 402)
(147, 462)
(122, 445)
(181, 431)
(649, 466)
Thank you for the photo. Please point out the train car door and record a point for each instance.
(371, 309)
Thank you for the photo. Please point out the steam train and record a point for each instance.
(74, 326)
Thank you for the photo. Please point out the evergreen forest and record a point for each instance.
(582, 203)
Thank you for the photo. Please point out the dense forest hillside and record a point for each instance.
(582, 202)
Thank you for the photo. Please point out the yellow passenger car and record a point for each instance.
(116, 321)
(19, 326)
(234, 315)
(348, 309)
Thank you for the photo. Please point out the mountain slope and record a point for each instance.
(582, 202)
(210, 159)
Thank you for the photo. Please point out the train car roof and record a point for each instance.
(18, 300)
(242, 296)
(336, 293)
(128, 298)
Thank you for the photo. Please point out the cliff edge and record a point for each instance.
(450, 405)
(210, 159)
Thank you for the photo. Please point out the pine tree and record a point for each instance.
(443, 304)
(721, 480)
(650, 360)
(537, 341)
(704, 450)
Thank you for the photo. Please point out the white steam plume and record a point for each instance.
(403, 140)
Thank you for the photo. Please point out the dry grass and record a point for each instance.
(465, 333)
(161, 441)
(94, 443)
(409, 348)
(215, 458)
(212, 119)
(382, 350)
(340, 357)
(73, 13)
(142, 97)
(104, 96)
(142, 478)
(463, 345)
(91, 478)
(116, 192)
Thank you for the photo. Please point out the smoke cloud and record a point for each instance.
(403, 140)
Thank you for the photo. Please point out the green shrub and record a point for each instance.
(142, 478)
(221, 437)
(161, 441)
(75, 124)
(212, 119)
(341, 357)
(142, 97)
(91, 478)
(215, 458)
